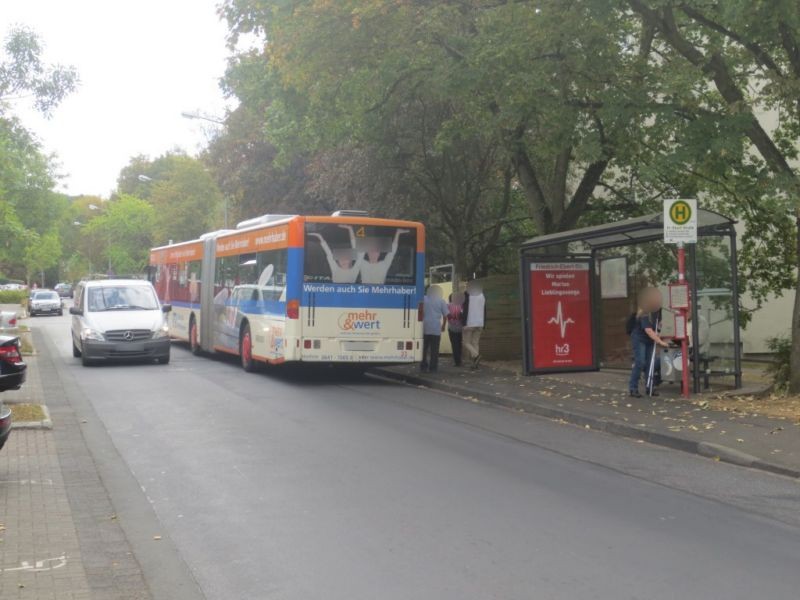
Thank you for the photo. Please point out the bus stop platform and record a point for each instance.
(716, 424)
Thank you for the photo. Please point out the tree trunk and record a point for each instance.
(794, 367)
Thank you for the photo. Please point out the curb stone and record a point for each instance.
(675, 442)
(726, 453)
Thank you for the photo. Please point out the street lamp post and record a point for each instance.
(195, 115)
(217, 121)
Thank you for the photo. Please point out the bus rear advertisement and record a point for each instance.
(339, 289)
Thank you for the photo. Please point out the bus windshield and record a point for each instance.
(351, 253)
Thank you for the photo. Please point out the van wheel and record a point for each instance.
(246, 349)
(76, 353)
(194, 343)
(164, 360)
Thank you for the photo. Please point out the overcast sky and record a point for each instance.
(141, 63)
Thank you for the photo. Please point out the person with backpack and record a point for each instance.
(644, 338)
(455, 324)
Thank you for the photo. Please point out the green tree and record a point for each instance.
(747, 57)
(243, 163)
(27, 203)
(41, 253)
(394, 108)
(182, 191)
(121, 237)
(31, 214)
(23, 73)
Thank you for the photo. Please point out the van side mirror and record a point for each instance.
(75, 310)
(165, 308)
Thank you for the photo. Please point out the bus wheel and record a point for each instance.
(246, 350)
(194, 344)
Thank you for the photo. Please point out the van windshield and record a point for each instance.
(137, 297)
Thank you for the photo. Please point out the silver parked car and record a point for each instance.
(118, 319)
(45, 302)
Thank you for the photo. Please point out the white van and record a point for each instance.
(117, 319)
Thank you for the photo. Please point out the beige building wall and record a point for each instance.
(774, 318)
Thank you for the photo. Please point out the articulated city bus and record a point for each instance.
(339, 289)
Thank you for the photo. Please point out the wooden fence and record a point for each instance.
(502, 336)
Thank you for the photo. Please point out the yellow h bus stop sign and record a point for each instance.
(680, 221)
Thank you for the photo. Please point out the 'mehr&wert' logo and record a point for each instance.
(359, 321)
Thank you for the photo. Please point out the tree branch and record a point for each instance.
(582, 195)
(790, 46)
(393, 88)
(763, 58)
(716, 68)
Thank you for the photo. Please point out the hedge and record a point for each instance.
(13, 296)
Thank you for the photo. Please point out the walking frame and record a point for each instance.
(651, 371)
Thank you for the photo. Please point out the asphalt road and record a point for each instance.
(304, 485)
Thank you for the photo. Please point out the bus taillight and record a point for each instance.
(420, 312)
(293, 309)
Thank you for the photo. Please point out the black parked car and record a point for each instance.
(5, 424)
(64, 290)
(12, 376)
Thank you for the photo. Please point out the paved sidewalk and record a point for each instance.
(50, 546)
(598, 403)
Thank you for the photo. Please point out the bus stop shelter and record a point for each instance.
(579, 287)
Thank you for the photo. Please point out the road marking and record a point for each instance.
(48, 564)
(28, 481)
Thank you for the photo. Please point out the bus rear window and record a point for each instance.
(344, 253)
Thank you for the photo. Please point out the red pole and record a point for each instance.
(684, 313)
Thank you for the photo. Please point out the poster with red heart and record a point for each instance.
(561, 316)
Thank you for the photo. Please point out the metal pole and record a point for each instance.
(597, 303)
(737, 353)
(524, 312)
(695, 323)
(683, 313)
